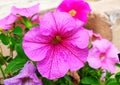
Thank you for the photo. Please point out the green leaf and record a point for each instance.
(108, 75)
(90, 46)
(35, 25)
(15, 65)
(25, 18)
(112, 81)
(47, 82)
(2, 60)
(12, 42)
(117, 76)
(4, 39)
(118, 65)
(19, 50)
(68, 80)
(27, 22)
(89, 80)
(17, 30)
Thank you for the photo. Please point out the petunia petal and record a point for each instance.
(28, 12)
(6, 22)
(64, 6)
(102, 45)
(55, 64)
(77, 62)
(80, 38)
(28, 69)
(76, 56)
(26, 75)
(58, 22)
(93, 58)
(45, 28)
(12, 81)
(108, 65)
(94, 62)
(35, 46)
(82, 6)
(64, 22)
(112, 53)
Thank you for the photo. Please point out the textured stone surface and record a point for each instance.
(100, 25)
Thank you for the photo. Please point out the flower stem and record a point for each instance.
(11, 53)
(2, 72)
(102, 82)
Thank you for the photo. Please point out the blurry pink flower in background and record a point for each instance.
(9, 21)
(103, 55)
(94, 36)
(58, 46)
(26, 76)
(76, 8)
(28, 12)
(6, 22)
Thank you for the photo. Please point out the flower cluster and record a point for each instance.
(57, 44)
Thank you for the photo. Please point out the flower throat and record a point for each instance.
(56, 40)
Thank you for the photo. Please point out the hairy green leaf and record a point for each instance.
(89, 80)
(15, 65)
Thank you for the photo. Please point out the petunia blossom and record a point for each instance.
(76, 8)
(94, 36)
(59, 44)
(103, 55)
(26, 76)
(28, 12)
(7, 22)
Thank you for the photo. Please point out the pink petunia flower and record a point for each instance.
(94, 36)
(59, 45)
(9, 21)
(76, 8)
(26, 76)
(6, 23)
(28, 12)
(103, 55)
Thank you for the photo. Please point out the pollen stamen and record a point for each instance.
(102, 56)
(56, 40)
(1, 29)
(72, 12)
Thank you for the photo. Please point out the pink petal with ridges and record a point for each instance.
(35, 46)
(28, 12)
(102, 45)
(6, 23)
(57, 24)
(77, 56)
(27, 72)
(77, 61)
(109, 65)
(93, 58)
(55, 64)
(80, 38)
(112, 53)
(94, 62)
